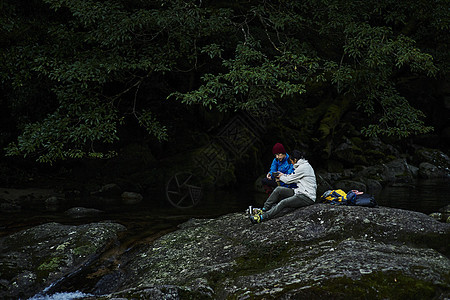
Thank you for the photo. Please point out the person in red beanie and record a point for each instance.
(284, 199)
(279, 164)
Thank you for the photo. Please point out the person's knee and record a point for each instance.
(283, 203)
(276, 192)
(278, 189)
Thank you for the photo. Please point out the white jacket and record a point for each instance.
(304, 177)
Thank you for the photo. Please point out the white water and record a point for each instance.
(60, 296)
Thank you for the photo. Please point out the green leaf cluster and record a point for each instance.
(92, 58)
(357, 48)
(74, 73)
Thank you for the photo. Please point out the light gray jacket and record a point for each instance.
(304, 177)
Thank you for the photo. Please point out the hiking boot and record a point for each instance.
(255, 219)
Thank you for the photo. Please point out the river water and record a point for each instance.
(424, 196)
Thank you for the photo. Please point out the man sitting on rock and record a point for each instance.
(279, 164)
(283, 197)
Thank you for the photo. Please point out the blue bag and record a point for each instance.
(361, 199)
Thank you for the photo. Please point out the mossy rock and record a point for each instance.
(48, 252)
(433, 156)
(317, 250)
(377, 285)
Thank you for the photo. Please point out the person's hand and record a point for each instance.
(279, 174)
(268, 176)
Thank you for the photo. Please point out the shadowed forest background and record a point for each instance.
(112, 109)
(134, 91)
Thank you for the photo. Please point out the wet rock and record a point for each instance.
(427, 170)
(376, 172)
(53, 200)
(374, 187)
(439, 216)
(375, 147)
(82, 212)
(445, 209)
(395, 171)
(443, 215)
(131, 197)
(25, 194)
(433, 163)
(13, 200)
(334, 166)
(34, 258)
(414, 170)
(349, 153)
(399, 170)
(433, 156)
(108, 283)
(321, 250)
(166, 292)
(53, 203)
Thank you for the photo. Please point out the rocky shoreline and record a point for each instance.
(399, 170)
(321, 251)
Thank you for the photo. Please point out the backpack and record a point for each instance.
(352, 198)
(335, 197)
(361, 199)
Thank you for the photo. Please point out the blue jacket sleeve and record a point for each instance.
(274, 166)
(291, 169)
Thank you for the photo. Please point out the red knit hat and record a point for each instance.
(278, 148)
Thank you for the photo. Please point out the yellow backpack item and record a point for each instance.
(336, 197)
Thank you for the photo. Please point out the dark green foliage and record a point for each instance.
(73, 72)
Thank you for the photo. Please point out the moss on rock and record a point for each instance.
(315, 250)
(377, 285)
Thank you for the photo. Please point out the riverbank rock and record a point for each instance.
(12, 200)
(320, 251)
(427, 170)
(443, 215)
(32, 259)
(131, 197)
(108, 190)
(82, 212)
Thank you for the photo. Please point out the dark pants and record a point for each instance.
(268, 182)
(281, 198)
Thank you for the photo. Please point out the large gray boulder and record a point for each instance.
(427, 170)
(318, 251)
(32, 259)
(433, 163)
